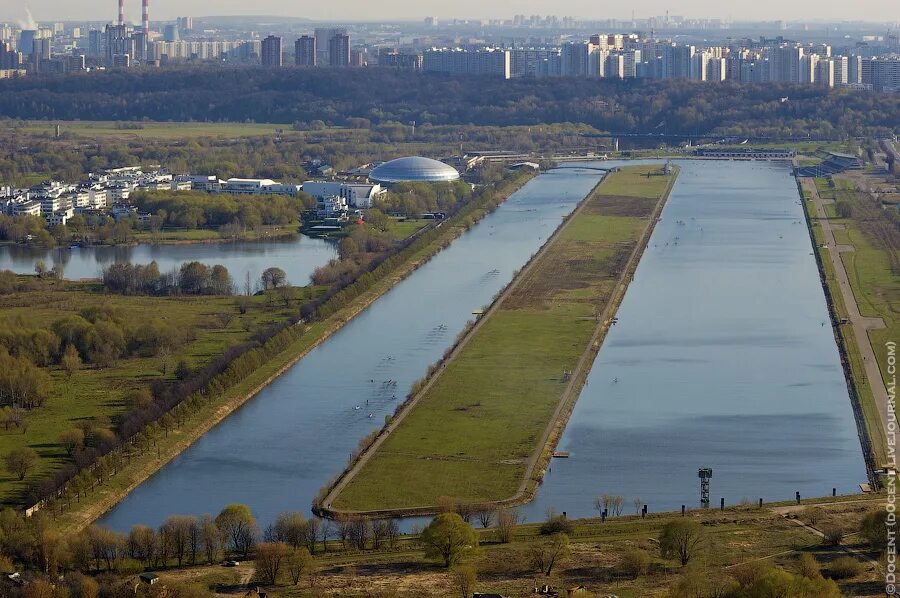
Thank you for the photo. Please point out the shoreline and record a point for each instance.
(225, 408)
(552, 433)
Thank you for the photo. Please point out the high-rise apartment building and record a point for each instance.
(271, 52)
(305, 51)
(886, 74)
(323, 38)
(339, 50)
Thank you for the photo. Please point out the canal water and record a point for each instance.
(723, 356)
(298, 256)
(280, 448)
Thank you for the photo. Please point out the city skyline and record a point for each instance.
(396, 10)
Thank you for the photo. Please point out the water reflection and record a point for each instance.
(298, 257)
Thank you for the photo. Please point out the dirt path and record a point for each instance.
(560, 416)
(859, 323)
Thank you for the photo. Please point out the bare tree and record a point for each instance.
(464, 578)
(616, 503)
(270, 557)
(485, 516)
(549, 553)
(507, 520)
(210, 538)
(142, 544)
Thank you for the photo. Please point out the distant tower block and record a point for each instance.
(704, 474)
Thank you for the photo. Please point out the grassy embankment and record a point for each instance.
(150, 130)
(734, 543)
(95, 393)
(136, 470)
(872, 269)
(471, 434)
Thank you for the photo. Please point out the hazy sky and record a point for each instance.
(357, 10)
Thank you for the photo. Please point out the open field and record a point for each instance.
(472, 431)
(96, 393)
(734, 543)
(147, 130)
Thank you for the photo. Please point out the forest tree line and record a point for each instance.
(332, 97)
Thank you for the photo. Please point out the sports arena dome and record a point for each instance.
(413, 168)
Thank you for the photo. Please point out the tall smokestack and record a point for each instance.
(146, 17)
(121, 12)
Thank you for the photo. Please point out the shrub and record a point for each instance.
(808, 567)
(844, 567)
(635, 562)
(832, 535)
(556, 525)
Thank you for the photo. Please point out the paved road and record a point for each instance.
(859, 323)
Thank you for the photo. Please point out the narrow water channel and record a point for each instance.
(723, 356)
(298, 256)
(278, 450)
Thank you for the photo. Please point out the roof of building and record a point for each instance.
(413, 168)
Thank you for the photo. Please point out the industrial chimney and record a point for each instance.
(146, 16)
(121, 12)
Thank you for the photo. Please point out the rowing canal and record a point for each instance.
(722, 357)
(276, 451)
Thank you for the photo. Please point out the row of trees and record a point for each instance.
(192, 278)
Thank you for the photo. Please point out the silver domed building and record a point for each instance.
(413, 169)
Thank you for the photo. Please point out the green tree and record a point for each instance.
(299, 561)
(680, 539)
(71, 360)
(272, 278)
(238, 525)
(449, 539)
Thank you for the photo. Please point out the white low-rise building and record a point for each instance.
(259, 187)
(59, 218)
(331, 207)
(208, 183)
(357, 195)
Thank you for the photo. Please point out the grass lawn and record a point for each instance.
(97, 392)
(471, 434)
(402, 229)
